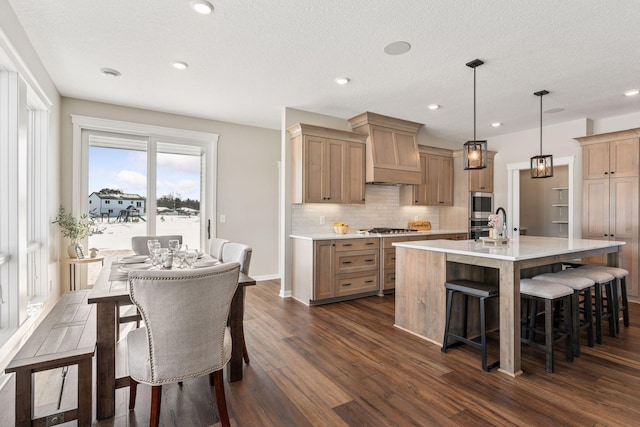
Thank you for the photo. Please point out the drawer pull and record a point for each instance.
(368, 260)
(347, 244)
(346, 284)
(346, 262)
(369, 243)
(368, 281)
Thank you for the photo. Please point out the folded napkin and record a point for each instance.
(205, 263)
(134, 259)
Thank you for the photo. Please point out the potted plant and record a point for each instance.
(75, 229)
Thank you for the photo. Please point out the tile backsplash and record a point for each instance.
(381, 209)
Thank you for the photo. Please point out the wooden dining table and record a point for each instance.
(111, 292)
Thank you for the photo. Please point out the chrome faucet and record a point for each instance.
(504, 220)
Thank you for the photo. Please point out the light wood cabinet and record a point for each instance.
(328, 165)
(611, 196)
(391, 147)
(615, 159)
(330, 270)
(482, 179)
(436, 188)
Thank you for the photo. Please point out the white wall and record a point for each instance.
(247, 175)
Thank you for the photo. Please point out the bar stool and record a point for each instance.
(550, 293)
(606, 280)
(482, 291)
(621, 275)
(580, 285)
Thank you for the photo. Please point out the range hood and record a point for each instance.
(392, 156)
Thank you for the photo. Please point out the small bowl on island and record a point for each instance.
(340, 228)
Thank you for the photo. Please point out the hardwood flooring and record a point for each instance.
(344, 364)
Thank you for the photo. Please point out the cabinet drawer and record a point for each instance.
(348, 284)
(355, 261)
(357, 244)
(389, 280)
(390, 259)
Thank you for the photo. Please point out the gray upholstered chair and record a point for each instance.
(240, 253)
(139, 243)
(215, 249)
(185, 334)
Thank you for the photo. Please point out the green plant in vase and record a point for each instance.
(74, 229)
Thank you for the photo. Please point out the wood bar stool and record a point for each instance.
(620, 300)
(606, 281)
(535, 291)
(483, 292)
(582, 286)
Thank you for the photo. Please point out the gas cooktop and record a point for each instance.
(386, 230)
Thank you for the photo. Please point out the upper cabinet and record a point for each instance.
(482, 179)
(391, 148)
(436, 183)
(328, 165)
(613, 159)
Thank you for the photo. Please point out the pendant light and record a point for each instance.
(542, 165)
(475, 152)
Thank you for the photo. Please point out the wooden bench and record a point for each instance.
(67, 336)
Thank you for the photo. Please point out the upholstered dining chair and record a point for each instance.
(174, 345)
(139, 243)
(215, 248)
(240, 253)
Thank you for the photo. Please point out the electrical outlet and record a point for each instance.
(321, 219)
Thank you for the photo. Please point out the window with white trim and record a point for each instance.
(24, 121)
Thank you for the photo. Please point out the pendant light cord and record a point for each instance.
(474, 106)
(541, 125)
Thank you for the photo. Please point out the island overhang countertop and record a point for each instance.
(422, 268)
(518, 249)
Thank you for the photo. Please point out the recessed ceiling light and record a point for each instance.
(342, 80)
(203, 7)
(397, 48)
(180, 65)
(632, 92)
(554, 110)
(496, 124)
(433, 107)
(110, 72)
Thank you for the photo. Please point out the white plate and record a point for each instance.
(205, 263)
(134, 267)
(134, 259)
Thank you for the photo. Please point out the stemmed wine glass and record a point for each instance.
(174, 245)
(190, 258)
(180, 255)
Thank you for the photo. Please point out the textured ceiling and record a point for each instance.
(248, 59)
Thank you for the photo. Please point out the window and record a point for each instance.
(168, 173)
(24, 120)
(119, 202)
(106, 202)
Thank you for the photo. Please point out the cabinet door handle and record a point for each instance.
(612, 172)
(606, 173)
(393, 259)
(611, 235)
(605, 235)
(368, 281)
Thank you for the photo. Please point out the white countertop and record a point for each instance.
(332, 236)
(520, 248)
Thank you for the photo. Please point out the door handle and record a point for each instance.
(208, 229)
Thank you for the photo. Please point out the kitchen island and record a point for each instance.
(422, 267)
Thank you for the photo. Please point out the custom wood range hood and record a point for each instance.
(392, 156)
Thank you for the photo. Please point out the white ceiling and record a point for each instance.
(248, 59)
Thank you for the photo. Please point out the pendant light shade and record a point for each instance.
(542, 165)
(475, 152)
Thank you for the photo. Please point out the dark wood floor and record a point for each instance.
(345, 364)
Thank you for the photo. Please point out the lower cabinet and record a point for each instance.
(332, 270)
(328, 270)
